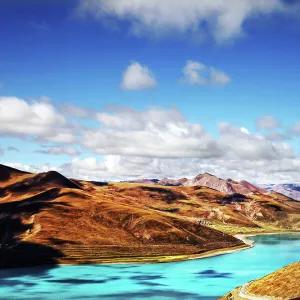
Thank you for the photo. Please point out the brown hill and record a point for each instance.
(47, 218)
(282, 284)
(33, 183)
(7, 172)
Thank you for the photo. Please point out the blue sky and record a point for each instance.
(76, 52)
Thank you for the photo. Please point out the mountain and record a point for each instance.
(289, 190)
(227, 186)
(283, 282)
(22, 183)
(7, 172)
(48, 218)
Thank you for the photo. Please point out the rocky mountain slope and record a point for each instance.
(227, 186)
(48, 218)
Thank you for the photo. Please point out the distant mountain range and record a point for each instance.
(289, 189)
(227, 186)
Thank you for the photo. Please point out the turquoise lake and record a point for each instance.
(207, 278)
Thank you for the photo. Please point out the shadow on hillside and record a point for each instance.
(99, 183)
(27, 254)
(13, 251)
(236, 198)
(164, 194)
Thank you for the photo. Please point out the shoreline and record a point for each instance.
(178, 258)
(174, 258)
(165, 259)
(250, 243)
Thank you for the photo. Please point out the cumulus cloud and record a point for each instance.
(155, 142)
(222, 19)
(241, 144)
(196, 73)
(123, 117)
(37, 118)
(151, 133)
(34, 168)
(137, 77)
(60, 151)
(267, 122)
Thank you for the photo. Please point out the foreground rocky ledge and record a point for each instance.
(281, 284)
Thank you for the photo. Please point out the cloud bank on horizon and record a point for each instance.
(155, 142)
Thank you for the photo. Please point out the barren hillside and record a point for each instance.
(47, 218)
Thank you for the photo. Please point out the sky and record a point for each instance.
(124, 89)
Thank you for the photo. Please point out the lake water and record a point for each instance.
(206, 278)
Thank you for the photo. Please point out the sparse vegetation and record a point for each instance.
(282, 284)
(284, 281)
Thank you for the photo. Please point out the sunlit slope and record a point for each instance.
(281, 284)
(90, 222)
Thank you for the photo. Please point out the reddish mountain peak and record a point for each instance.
(251, 186)
(227, 186)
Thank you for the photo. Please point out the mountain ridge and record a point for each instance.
(228, 186)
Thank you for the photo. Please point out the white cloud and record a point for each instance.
(34, 168)
(222, 19)
(151, 133)
(123, 117)
(267, 122)
(137, 77)
(219, 77)
(1, 151)
(37, 118)
(66, 137)
(239, 144)
(155, 142)
(116, 167)
(196, 73)
(60, 151)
